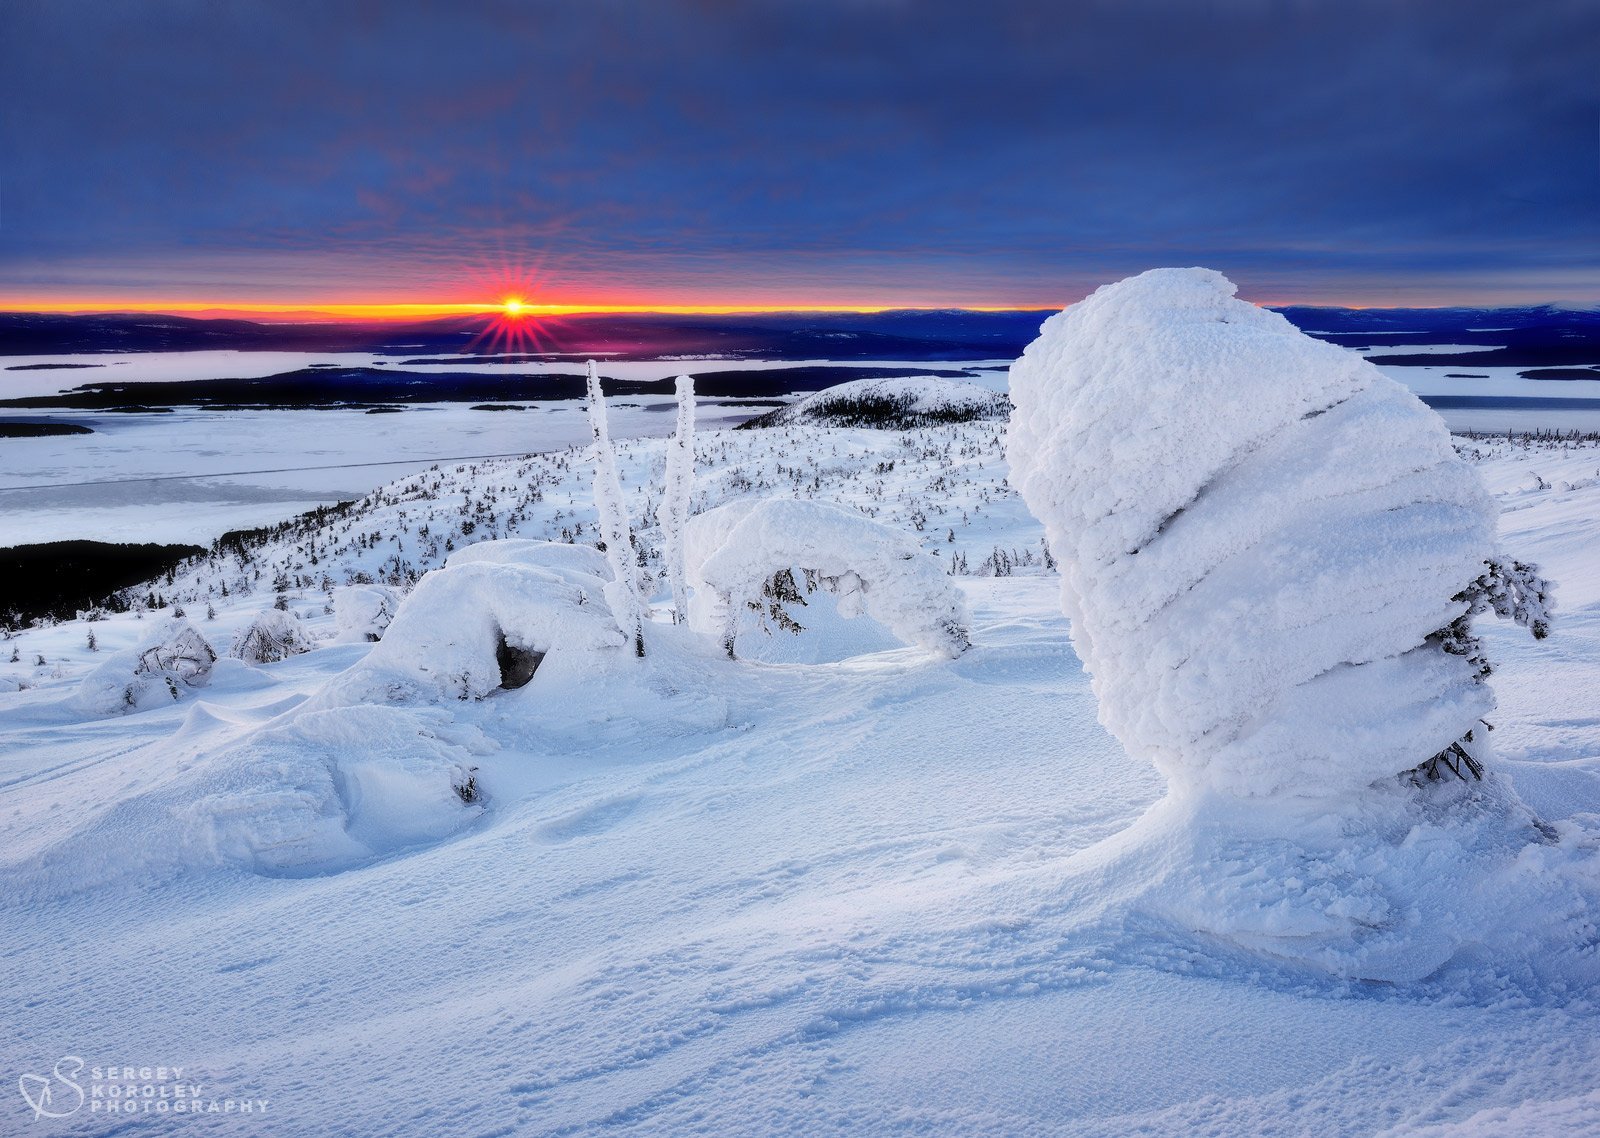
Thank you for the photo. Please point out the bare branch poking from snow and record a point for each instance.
(1261, 539)
(673, 513)
(622, 591)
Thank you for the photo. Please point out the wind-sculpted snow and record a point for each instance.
(734, 551)
(1258, 534)
(1268, 553)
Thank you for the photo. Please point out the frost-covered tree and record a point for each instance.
(673, 512)
(1269, 551)
(622, 592)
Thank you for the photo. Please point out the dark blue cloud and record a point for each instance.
(768, 151)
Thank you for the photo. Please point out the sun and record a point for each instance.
(512, 306)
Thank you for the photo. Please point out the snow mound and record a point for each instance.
(1259, 537)
(275, 634)
(735, 552)
(891, 404)
(361, 613)
(172, 660)
(482, 624)
(329, 789)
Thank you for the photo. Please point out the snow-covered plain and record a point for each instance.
(876, 894)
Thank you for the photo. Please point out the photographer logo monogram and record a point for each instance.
(118, 1088)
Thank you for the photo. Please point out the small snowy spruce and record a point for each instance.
(1269, 551)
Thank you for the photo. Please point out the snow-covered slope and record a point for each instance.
(695, 895)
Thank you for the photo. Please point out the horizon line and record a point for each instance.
(409, 310)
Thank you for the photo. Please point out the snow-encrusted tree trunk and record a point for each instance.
(622, 591)
(673, 513)
(1268, 549)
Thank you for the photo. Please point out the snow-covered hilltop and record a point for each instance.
(891, 404)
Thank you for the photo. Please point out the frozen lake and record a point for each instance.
(190, 474)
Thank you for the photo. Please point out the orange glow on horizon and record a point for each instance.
(409, 310)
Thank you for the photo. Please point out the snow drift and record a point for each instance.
(735, 551)
(1261, 539)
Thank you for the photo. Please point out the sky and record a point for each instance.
(231, 155)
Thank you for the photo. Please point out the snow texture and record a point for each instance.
(622, 590)
(734, 551)
(673, 512)
(172, 660)
(1258, 533)
(274, 635)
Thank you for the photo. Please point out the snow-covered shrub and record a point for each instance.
(362, 612)
(741, 554)
(484, 623)
(1263, 541)
(172, 659)
(275, 634)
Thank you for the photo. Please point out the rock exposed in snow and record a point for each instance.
(173, 659)
(1259, 534)
(735, 550)
(893, 404)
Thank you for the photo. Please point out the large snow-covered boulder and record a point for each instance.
(1262, 539)
(483, 623)
(172, 660)
(898, 403)
(734, 552)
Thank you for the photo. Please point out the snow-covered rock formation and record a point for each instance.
(735, 551)
(484, 622)
(1262, 539)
